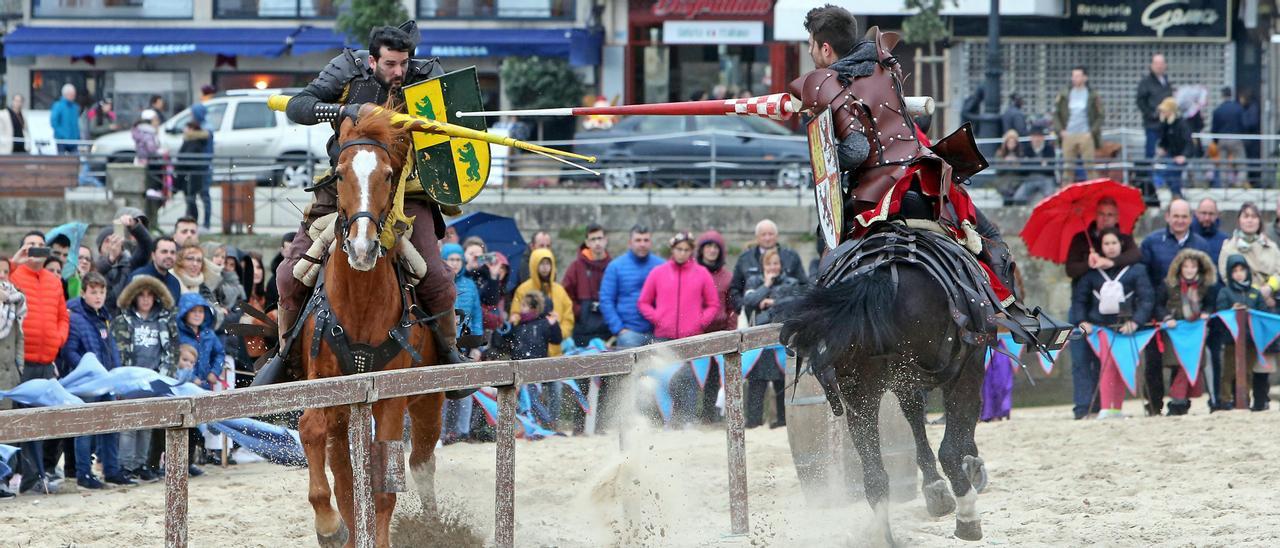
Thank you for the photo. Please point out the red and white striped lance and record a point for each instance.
(779, 106)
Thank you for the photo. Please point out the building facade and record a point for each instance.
(130, 50)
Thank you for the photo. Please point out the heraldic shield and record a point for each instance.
(452, 171)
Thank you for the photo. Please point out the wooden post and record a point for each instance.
(504, 524)
(175, 487)
(736, 432)
(360, 434)
(224, 451)
(1242, 355)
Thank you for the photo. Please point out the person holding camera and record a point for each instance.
(45, 329)
(582, 282)
(482, 269)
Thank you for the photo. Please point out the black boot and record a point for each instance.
(1261, 385)
(275, 368)
(1179, 407)
(445, 332)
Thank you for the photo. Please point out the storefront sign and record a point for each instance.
(689, 9)
(1158, 19)
(713, 32)
(145, 49)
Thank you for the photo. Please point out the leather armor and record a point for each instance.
(872, 106)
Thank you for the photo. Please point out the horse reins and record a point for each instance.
(344, 222)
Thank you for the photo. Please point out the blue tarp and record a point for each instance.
(149, 41)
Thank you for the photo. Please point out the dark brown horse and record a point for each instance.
(884, 324)
(360, 282)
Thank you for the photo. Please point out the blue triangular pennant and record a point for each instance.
(577, 392)
(1047, 363)
(780, 357)
(1265, 327)
(1014, 347)
(1124, 349)
(701, 368)
(1228, 319)
(749, 359)
(1188, 346)
(662, 388)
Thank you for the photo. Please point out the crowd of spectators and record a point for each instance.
(135, 297)
(1186, 271)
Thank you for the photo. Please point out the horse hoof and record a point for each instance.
(976, 471)
(969, 530)
(336, 540)
(938, 499)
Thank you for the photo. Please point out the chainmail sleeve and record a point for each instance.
(318, 102)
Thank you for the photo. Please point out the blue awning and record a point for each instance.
(138, 41)
(580, 46)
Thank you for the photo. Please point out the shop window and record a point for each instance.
(112, 9)
(226, 81)
(46, 86)
(133, 90)
(279, 9)
(253, 115)
(496, 9)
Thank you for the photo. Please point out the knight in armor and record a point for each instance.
(350, 80)
(890, 170)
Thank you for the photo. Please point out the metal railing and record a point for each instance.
(359, 392)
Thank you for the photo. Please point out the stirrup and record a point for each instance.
(1037, 327)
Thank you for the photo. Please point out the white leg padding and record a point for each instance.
(967, 506)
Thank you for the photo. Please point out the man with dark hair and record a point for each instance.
(156, 103)
(350, 81)
(886, 156)
(1078, 118)
(582, 282)
(186, 232)
(164, 256)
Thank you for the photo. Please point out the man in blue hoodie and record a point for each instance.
(620, 290)
(64, 116)
(90, 333)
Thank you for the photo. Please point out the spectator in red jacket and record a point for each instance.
(582, 282)
(45, 328)
(711, 254)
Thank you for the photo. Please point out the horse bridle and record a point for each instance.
(344, 223)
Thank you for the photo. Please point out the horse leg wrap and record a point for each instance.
(388, 466)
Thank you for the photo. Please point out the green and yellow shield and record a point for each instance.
(452, 171)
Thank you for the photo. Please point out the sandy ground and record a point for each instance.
(1197, 480)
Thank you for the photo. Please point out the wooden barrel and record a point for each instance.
(826, 462)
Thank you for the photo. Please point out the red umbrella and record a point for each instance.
(1057, 219)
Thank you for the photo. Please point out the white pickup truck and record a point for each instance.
(250, 141)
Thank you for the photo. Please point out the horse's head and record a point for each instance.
(370, 157)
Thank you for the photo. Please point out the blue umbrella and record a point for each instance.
(499, 233)
(74, 231)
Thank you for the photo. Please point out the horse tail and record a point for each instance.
(855, 313)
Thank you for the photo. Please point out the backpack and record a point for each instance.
(1111, 295)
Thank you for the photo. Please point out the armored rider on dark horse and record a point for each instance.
(891, 171)
(351, 80)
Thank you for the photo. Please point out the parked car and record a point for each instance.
(744, 149)
(264, 144)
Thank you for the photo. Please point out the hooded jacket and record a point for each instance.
(170, 280)
(468, 295)
(1159, 249)
(206, 342)
(90, 332)
(727, 318)
(555, 293)
(1233, 292)
(1171, 308)
(1263, 256)
(679, 299)
(620, 291)
(1138, 306)
(48, 320)
(154, 336)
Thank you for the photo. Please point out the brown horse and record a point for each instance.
(365, 299)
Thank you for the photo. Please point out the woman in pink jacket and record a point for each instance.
(679, 297)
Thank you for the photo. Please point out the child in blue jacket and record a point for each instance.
(196, 330)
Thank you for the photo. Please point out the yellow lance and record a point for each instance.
(426, 125)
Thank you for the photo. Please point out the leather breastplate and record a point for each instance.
(873, 106)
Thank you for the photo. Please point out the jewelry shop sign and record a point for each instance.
(1160, 19)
